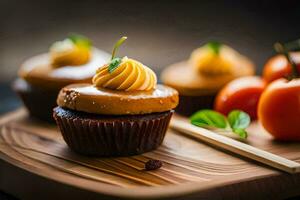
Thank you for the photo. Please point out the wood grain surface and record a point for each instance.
(191, 169)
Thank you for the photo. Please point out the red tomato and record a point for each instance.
(242, 93)
(278, 67)
(279, 109)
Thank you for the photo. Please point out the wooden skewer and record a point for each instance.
(234, 146)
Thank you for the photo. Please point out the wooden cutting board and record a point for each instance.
(37, 164)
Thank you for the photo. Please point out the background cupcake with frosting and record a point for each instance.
(72, 60)
(199, 78)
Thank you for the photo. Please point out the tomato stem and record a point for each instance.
(293, 46)
(279, 48)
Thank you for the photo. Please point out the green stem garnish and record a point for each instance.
(114, 62)
(279, 48)
(118, 43)
(236, 121)
(215, 46)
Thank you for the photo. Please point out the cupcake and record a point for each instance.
(72, 60)
(124, 112)
(208, 69)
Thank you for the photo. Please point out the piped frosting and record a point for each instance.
(213, 59)
(74, 50)
(130, 75)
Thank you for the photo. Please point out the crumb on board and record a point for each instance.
(153, 164)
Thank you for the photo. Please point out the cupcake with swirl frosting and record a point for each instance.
(72, 60)
(199, 78)
(124, 112)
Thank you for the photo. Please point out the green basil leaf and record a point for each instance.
(114, 63)
(241, 132)
(238, 119)
(215, 46)
(80, 40)
(200, 124)
(208, 118)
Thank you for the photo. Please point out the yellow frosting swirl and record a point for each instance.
(206, 61)
(130, 75)
(67, 52)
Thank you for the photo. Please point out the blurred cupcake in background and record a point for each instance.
(72, 60)
(208, 69)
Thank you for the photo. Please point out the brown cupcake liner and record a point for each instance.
(191, 104)
(107, 135)
(39, 102)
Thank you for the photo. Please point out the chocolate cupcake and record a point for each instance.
(124, 112)
(72, 60)
(199, 79)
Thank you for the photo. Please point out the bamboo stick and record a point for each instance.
(234, 146)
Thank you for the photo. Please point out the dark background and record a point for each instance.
(160, 32)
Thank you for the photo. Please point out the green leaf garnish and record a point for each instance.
(114, 63)
(215, 46)
(241, 132)
(80, 40)
(208, 118)
(237, 121)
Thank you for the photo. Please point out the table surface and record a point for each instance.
(189, 166)
(8, 102)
